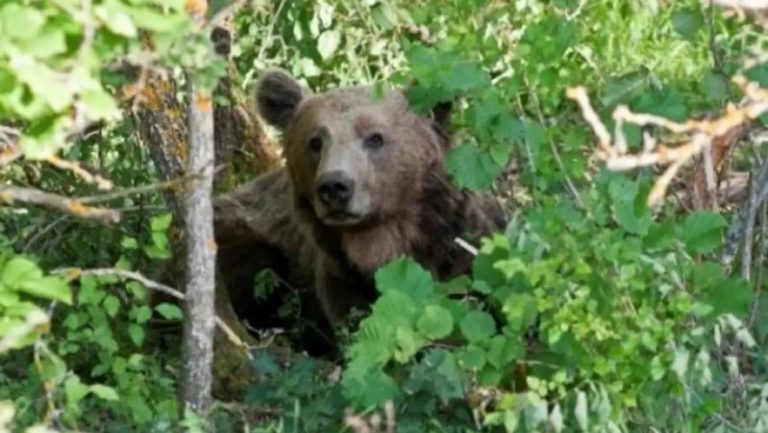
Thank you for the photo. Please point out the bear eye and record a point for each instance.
(316, 144)
(374, 141)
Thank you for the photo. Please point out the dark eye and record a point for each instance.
(374, 141)
(316, 144)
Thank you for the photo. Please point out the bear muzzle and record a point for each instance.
(335, 199)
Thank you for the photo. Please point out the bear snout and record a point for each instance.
(335, 190)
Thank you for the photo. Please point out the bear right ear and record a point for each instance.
(277, 96)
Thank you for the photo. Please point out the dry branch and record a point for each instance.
(79, 171)
(698, 136)
(74, 207)
(9, 153)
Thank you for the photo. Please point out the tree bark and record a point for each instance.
(200, 283)
(200, 257)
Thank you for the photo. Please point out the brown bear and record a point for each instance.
(364, 183)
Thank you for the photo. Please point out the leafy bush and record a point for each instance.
(589, 313)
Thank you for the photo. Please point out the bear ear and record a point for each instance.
(277, 96)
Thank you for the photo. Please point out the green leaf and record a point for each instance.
(142, 314)
(104, 392)
(465, 75)
(407, 276)
(116, 18)
(53, 368)
(18, 270)
(367, 385)
(100, 105)
(129, 243)
(472, 358)
(408, 343)
(20, 21)
(620, 90)
(161, 223)
(74, 390)
(48, 43)
(702, 231)
(436, 374)
(666, 101)
(477, 326)
(715, 87)
(435, 322)
(724, 294)
(136, 333)
(328, 43)
(504, 350)
(629, 208)
(111, 305)
(471, 167)
(169, 311)
(687, 23)
(148, 18)
(53, 288)
(521, 310)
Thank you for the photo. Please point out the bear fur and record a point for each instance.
(364, 183)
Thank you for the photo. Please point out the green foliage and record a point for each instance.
(589, 313)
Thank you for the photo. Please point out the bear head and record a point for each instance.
(355, 158)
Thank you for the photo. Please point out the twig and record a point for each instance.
(43, 232)
(78, 170)
(11, 194)
(140, 189)
(467, 246)
(74, 273)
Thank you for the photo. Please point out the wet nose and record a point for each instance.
(335, 189)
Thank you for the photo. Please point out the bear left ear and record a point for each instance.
(277, 96)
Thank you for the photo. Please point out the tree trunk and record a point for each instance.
(199, 320)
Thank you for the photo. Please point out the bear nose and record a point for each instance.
(334, 189)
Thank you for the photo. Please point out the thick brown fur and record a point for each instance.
(406, 204)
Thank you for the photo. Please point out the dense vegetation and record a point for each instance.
(593, 311)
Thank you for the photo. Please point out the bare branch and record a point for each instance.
(701, 134)
(78, 170)
(74, 207)
(604, 137)
(142, 189)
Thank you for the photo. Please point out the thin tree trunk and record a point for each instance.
(200, 259)
(200, 281)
